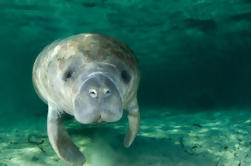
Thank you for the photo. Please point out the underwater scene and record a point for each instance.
(172, 79)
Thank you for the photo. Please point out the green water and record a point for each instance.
(195, 89)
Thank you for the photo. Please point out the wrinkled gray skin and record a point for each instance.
(92, 77)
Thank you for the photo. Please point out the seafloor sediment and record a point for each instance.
(166, 137)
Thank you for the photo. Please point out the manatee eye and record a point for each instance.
(125, 76)
(67, 75)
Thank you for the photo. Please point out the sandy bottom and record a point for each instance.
(214, 138)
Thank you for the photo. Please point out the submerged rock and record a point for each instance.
(35, 139)
(3, 164)
(34, 158)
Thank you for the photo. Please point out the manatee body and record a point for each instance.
(92, 77)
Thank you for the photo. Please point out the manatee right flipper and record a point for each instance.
(133, 116)
(60, 139)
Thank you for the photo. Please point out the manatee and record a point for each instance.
(92, 77)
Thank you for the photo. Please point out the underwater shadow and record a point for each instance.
(107, 146)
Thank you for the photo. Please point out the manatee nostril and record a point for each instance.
(107, 92)
(93, 93)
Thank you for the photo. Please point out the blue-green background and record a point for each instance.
(192, 53)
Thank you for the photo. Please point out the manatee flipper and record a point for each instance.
(60, 139)
(133, 116)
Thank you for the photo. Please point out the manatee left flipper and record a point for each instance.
(60, 139)
(133, 116)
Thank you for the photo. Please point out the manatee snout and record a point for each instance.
(98, 100)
